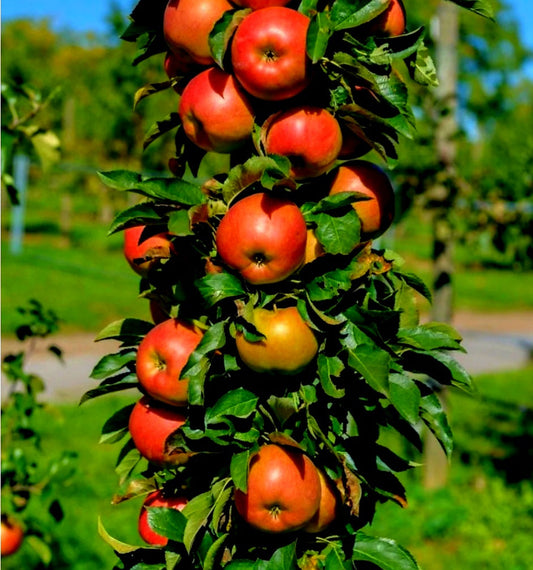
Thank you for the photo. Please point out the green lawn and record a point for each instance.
(479, 521)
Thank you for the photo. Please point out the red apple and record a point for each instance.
(376, 213)
(215, 112)
(283, 490)
(157, 499)
(161, 357)
(150, 425)
(309, 136)
(188, 23)
(313, 248)
(391, 22)
(153, 248)
(258, 4)
(329, 504)
(12, 535)
(268, 53)
(263, 238)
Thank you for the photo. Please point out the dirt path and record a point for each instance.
(493, 341)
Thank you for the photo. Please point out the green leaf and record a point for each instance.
(238, 403)
(220, 286)
(318, 35)
(197, 512)
(481, 7)
(328, 367)
(48, 148)
(167, 522)
(116, 427)
(422, 68)
(120, 179)
(429, 338)
(384, 553)
(222, 32)
(125, 330)
(116, 545)
(111, 363)
(160, 128)
(338, 234)
(434, 416)
(415, 283)
(139, 215)
(347, 14)
(239, 469)
(179, 223)
(211, 560)
(126, 383)
(405, 397)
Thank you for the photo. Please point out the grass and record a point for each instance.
(479, 521)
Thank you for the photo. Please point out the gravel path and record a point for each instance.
(493, 342)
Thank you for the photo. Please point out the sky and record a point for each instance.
(90, 15)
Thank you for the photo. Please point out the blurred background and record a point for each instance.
(79, 85)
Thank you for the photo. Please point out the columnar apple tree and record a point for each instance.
(285, 347)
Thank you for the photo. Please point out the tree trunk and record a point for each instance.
(442, 197)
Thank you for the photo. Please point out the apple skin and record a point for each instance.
(157, 246)
(157, 499)
(268, 53)
(187, 25)
(161, 357)
(329, 505)
(288, 347)
(377, 213)
(150, 424)
(283, 490)
(262, 237)
(309, 136)
(313, 248)
(258, 4)
(12, 536)
(215, 112)
(391, 22)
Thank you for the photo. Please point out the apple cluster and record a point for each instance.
(263, 236)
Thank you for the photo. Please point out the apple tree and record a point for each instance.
(285, 348)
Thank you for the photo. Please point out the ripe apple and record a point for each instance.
(215, 112)
(309, 136)
(258, 4)
(157, 499)
(391, 22)
(11, 537)
(283, 491)
(376, 213)
(313, 248)
(268, 53)
(153, 248)
(188, 23)
(329, 504)
(150, 424)
(289, 344)
(262, 237)
(161, 357)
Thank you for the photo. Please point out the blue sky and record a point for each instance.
(90, 15)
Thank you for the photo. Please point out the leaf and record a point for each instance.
(116, 545)
(434, 416)
(405, 397)
(160, 128)
(126, 384)
(239, 403)
(422, 68)
(139, 215)
(384, 553)
(318, 35)
(415, 283)
(167, 522)
(328, 367)
(239, 469)
(116, 426)
(197, 512)
(218, 287)
(111, 363)
(481, 7)
(120, 179)
(284, 558)
(48, 148)
(222, 31)
(125, 330)
(179, 223)
(338, 234)
(429, 338)
(347, 14)
(212, 555)
(150, 89)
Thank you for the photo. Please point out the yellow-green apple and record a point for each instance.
(288, 346)
(188, 23)
(215, 112)
(162, 355)
(262, 237)
(309, 136)
(150, 424)
(283, 491)
(150, 249)
(377, 212)
(268, 53)
(157, 499)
